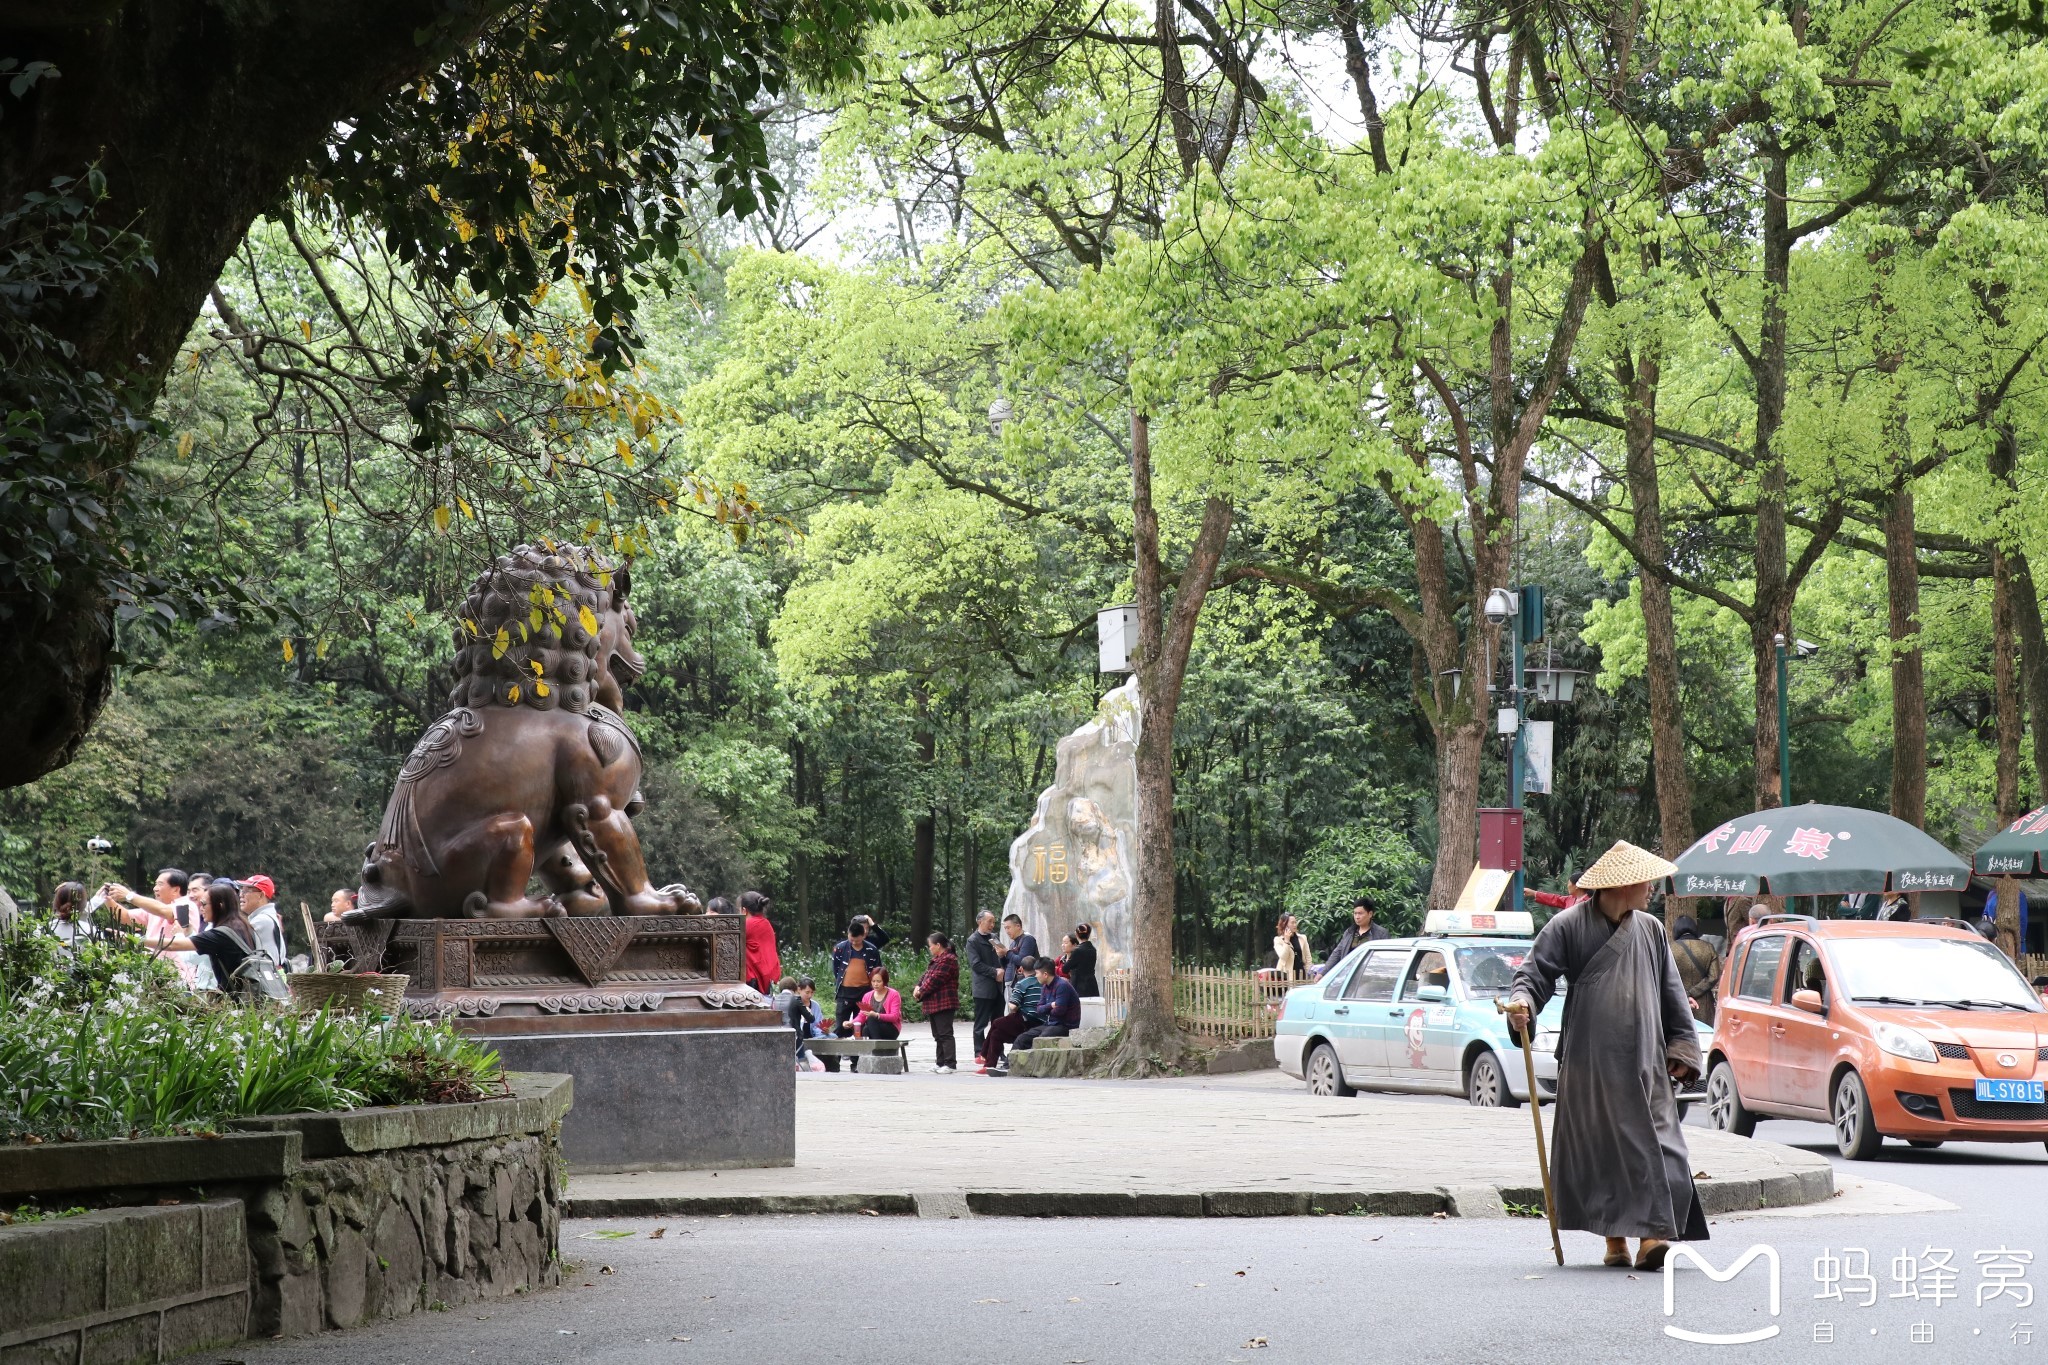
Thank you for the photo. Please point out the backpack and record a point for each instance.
(258, 976)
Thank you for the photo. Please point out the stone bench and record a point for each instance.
(886, 1056)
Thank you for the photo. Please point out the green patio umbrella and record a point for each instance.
(2016, 850)
(1815, 850)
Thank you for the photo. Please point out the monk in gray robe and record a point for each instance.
(1619, 1163)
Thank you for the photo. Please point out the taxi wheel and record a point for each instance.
(1325, 1076)
(1487, 1086)
(1725, 1109)
(1856, 1135)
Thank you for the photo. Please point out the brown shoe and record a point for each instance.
(1650, 1254)
(1617, 1252)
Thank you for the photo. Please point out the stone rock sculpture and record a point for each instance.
(532, 771)
(1077, 861)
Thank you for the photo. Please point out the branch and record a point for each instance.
(1697, 587)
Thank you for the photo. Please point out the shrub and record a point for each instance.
(1348, 861)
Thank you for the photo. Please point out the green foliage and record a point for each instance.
(126, 1064)
(1349, 861)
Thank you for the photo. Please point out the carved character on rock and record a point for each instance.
(532, 773)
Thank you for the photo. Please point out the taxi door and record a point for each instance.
(1358, 1018)
(1802, 1044)
(1424, 1042)
(1749, 1012)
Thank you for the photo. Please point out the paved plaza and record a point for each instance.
(1247, 1145)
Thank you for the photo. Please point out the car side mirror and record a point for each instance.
(1432, 994)
(1809, 1001)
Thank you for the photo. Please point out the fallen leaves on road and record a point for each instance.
(1255, 1344)
(1240, 1274)
(1532, 1277)
(871, 1213)
(991, 1301)
(1201, 1286)
(1074, 1299)
(678, 1338)
(1112, 1283)
(1439, 1215)
(605, 1235)
(606, 1270)
(1701, 1175)
(657, 1234)
(1378, 1236)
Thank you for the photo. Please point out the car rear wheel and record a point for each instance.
(1325, 1076)
(1487, 1085)
(1856, 1135)
(1725, 1109)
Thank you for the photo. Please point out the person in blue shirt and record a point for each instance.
(1058, 1002)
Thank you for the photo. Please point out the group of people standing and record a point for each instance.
(1295, 960)
(221, 933)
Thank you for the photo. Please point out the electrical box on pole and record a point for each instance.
(1500, 838)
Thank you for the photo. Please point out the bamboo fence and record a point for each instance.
(1209, 1004)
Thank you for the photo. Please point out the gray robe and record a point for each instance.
(1618, 1160)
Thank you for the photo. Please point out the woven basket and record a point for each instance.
(348, 992)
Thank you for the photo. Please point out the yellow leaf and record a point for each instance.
(501, 644)
(306, 328)
(184, 444)
(467, 624)
(625, 451)
(320, 647)
(540, 689)
(534, 664)
(465, 509)
(512, 694)
(533, 615)
(587, 619)
(289, 652)
(441, 519)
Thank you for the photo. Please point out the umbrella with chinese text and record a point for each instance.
(2018, 849)
(1815, 850)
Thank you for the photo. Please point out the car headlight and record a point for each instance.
(1546, 1040)
(1903, 1042)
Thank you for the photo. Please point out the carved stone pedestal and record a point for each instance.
(678, 1064)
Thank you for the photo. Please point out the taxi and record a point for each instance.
(1418, 1015)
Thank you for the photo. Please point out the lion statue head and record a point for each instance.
(546, 627)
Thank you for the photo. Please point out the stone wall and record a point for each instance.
(297, 1224)
(350, 1240)
(123, 1284)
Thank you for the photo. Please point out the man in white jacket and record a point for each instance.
(258, 893)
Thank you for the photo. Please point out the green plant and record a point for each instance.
(161, 1064)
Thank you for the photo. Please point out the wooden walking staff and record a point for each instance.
(1536, 1117)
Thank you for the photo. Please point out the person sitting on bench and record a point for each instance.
(881, 1010)
(1058, 1001)
(1024, 1014)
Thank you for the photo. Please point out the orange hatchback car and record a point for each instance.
(1913, 1031)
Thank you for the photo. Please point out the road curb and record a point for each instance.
(1451, 1201)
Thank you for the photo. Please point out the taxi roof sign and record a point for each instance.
(1455, 923)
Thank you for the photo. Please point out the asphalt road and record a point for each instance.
(864, 1291)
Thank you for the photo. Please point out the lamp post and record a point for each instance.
(1505, 608)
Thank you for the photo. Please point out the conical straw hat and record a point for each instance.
(1624, 865)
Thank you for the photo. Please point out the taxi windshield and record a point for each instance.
(1488, 972)
(1944, 972)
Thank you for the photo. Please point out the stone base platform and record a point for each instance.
(652, 1096)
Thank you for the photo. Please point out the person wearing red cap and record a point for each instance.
(258, 892)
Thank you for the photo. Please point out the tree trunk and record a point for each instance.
(2026, 610)
(1773, 600)
(1909, 683)
(1672, 777)
(1165, 639)
(2005, 691)
(924, 837)
(149, 90)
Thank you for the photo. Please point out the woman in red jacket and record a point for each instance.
(764, 964)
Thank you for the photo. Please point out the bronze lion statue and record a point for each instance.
(532, 771)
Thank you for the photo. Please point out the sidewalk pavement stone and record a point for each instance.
(1238, 1146)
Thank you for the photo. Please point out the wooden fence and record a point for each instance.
(1209, 1004)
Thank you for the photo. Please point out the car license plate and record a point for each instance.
(2009, 1092)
